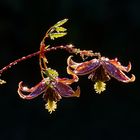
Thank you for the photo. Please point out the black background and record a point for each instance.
(109, 26)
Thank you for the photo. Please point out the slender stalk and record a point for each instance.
(68, 48)
(17, 61)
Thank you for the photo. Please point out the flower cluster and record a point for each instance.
(99, 69)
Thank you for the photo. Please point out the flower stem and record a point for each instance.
(68, 48)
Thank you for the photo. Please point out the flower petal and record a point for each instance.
(35, 91)
(65, 90)
(84, 67)
(71, 63)
(68, 81)
(119, 66)
(115, 72)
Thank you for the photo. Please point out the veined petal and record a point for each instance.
(115, 72)
(65, 90)
(35, 91)
(116, 63)
(68, 81)
(84, 67)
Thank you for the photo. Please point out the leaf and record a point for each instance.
(57, 31)
(61, 22)
(60, 29)
(56, 35)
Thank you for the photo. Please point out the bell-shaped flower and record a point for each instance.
(101, 70)
(52, 89)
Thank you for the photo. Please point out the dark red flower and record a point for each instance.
(100, 70)
(52, 90)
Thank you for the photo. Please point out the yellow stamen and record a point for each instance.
(51, 106)
(99, 87)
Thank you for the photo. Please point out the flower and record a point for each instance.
(52, 89)
(100, 70)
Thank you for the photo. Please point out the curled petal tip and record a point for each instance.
(69, 60)
(32, 92)
(116, 63)
(20, 88)
(71, 63)
(133, 78)
(77, 92)
(23, 89)
(129, 67)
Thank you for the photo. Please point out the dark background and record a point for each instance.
(109, 26)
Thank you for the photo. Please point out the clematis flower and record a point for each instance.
(52, 89)
(101, 70)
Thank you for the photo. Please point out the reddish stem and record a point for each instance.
(68, 48)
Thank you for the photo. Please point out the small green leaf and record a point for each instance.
(60, 29)
(61, 22)
(57, 35)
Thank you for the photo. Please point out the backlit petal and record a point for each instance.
(34, 91)
(71, 63)
(84, 67)
(68, 81)
(116, 63)
(115, 72)
(65, 90)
